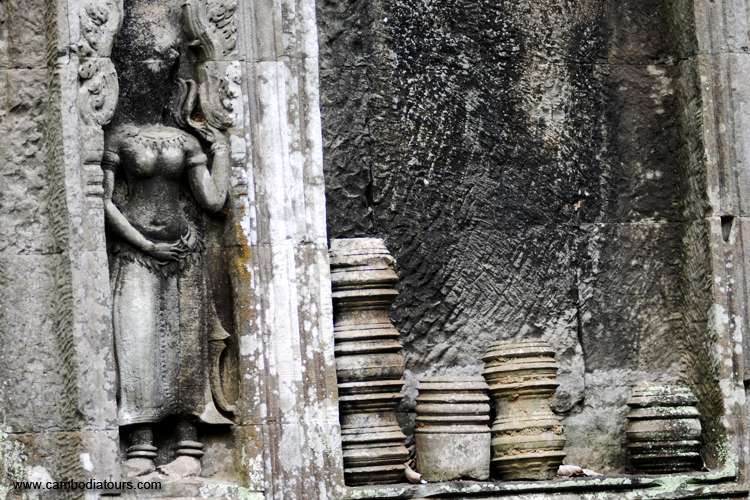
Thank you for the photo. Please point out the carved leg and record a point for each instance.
(189, 451)
(141, 452)
(187, 440)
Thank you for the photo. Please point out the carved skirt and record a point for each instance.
(160, 322)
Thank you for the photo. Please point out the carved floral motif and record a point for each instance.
(98, 87)
(98, 91)
(222, 22)
(212, 26)
(99, 21)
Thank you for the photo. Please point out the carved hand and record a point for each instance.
(188, 241)
(166, 252)
(209, 133)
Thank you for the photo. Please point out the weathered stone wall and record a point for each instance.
(37, 397)
(536, 169)
(269, 256)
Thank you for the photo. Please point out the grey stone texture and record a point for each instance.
(25, 223)
(664, 429)
(33, 370)
(369, 361)
(42, 424)
(452, 432)
(527, 437)
(267, 255)
(22, 34)
(566, 171)
(539, 170)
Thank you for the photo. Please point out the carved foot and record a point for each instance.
(182, 466)
(138, 466)
(141, 452)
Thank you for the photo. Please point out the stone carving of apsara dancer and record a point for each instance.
(159, 180)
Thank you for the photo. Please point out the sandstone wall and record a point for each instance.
(269, 256)
(37, 395)
(536, 169)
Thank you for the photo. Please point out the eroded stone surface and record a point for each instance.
(596, 431)
(527, 437)
(630, 297)
(33, 389)
(22, 33)
(24, 219)
(534, 169)
(664, 429)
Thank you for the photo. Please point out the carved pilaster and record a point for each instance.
(98, 88)
(99, 22)
(83, 90)
(97, 99)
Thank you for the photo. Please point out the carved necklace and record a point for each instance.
(159, 143)
(156, 142)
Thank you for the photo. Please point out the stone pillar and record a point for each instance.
(527, 438)
(369, 362)
(93, 25)
(291, 445)
(719, 94)
(67, 425)
(452, 429)
(663, 430)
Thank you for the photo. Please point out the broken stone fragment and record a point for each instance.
(575, 471)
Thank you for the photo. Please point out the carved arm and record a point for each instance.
(117, 221)
(210, 187)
